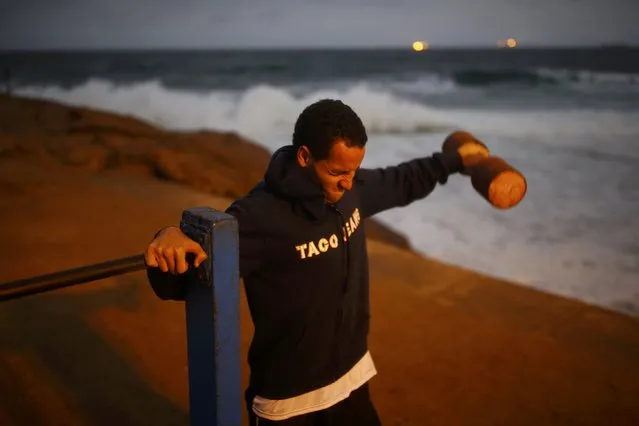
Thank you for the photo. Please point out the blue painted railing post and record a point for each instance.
(213, 321)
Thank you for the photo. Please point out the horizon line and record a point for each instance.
(315, 48)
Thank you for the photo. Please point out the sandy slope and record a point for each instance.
(452, 347)
(220, 163)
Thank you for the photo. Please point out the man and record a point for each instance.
(304, 263)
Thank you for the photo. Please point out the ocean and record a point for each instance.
(567, 118)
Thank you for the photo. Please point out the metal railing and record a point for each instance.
(43, 283)
(212, 313)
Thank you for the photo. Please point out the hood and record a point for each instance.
(286, 179)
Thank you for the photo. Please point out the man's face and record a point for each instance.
(334, 174)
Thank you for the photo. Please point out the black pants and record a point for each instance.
(356, 410)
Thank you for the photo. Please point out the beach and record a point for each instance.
(452, 346)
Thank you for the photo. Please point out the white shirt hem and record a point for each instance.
(318, 399)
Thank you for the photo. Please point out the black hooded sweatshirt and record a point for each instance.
(305, 268)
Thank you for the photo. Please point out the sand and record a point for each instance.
(452, 347)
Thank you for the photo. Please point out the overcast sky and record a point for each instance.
(283, 23)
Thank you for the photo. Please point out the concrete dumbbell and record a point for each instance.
(498, 182)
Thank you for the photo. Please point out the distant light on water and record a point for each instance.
(419, 45)
(509, 42)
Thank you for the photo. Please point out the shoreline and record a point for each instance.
(227, 164)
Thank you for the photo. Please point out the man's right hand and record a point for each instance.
(168, 251)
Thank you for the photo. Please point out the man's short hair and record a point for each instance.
(322, 123)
